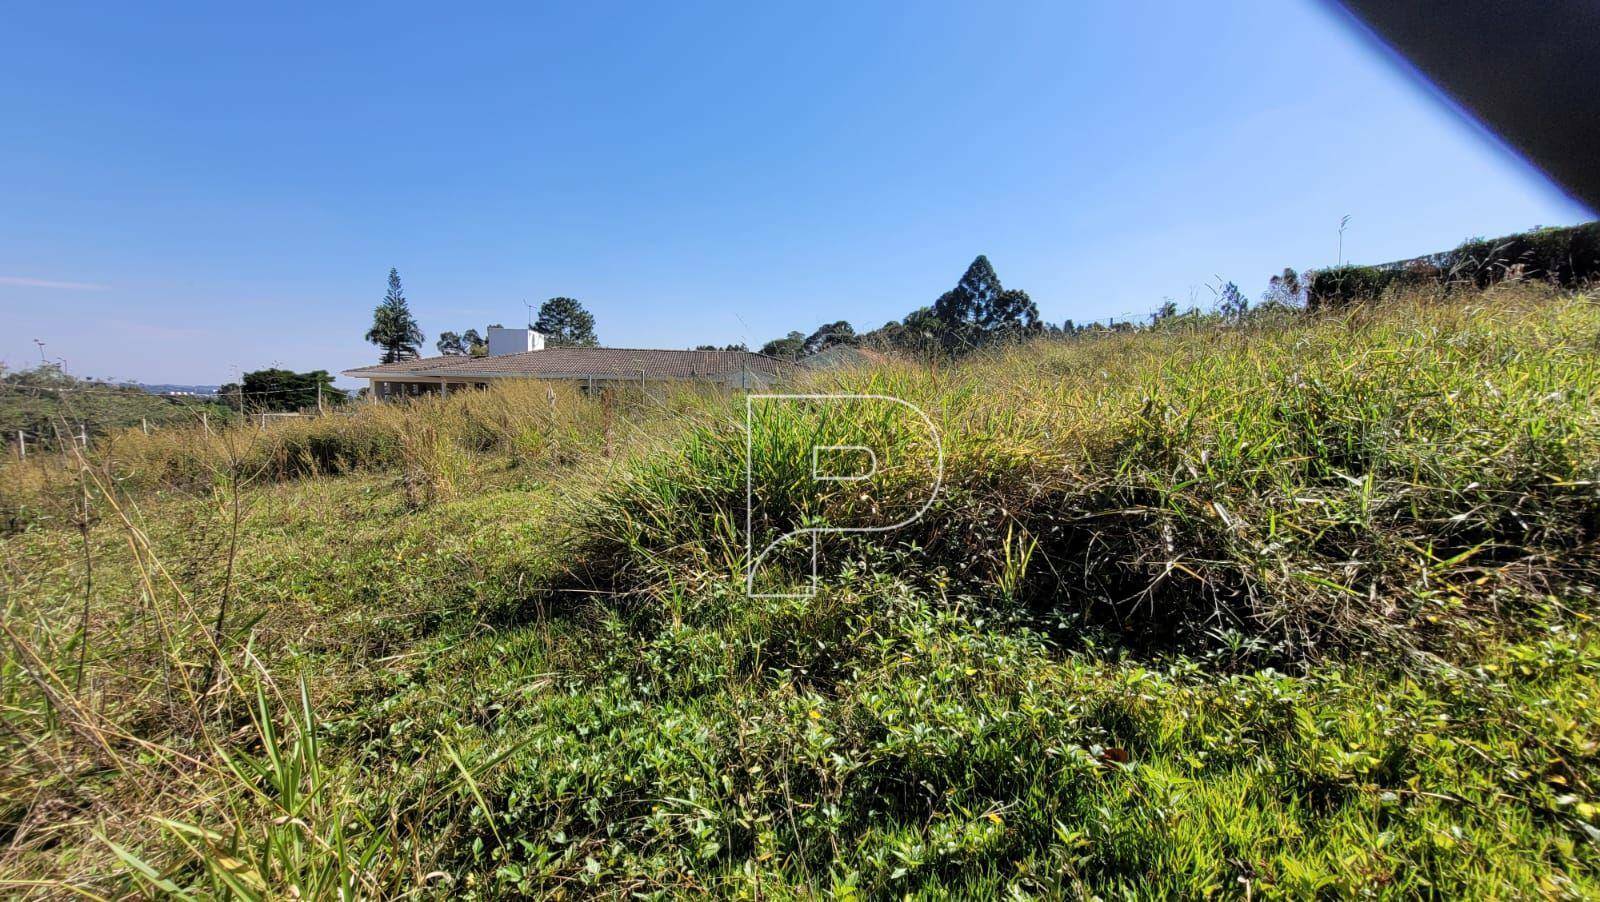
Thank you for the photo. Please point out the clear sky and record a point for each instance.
(186, 191)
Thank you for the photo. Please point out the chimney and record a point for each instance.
(504, 341)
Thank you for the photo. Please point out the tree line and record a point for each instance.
(977, 312)
(50, 406)
(397, 335)
(563, 321)
(980, 311)
(277, 389)
(1566, 256)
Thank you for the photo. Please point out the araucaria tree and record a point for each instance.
(566, 324)
(980, 310)
(394, 329)
(1232, 303)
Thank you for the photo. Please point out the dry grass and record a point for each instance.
(493, 645)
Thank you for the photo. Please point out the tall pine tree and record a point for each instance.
(394, 329)
(979, 309)
(566, 324)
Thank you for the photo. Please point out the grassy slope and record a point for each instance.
(42, 401)
(1305, 608)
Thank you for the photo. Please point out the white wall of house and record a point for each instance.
(503, 341)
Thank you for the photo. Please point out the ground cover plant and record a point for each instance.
(1296, 607)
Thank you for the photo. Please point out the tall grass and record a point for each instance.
(438, 443)
(371, 436)
(1301, 607)
(1342, 482)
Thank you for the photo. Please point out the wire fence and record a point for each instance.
(72, 424)
(69, 424)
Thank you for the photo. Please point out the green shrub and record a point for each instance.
(1565, 256)
(1311, 486)
(1568, 257)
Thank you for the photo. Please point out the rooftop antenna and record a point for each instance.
(41, 350)
(530, 312)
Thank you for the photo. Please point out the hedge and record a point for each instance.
(1567, 256)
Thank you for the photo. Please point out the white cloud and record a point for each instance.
(26, 282)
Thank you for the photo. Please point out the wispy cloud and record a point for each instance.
(26, 282)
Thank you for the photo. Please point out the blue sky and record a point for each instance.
(189, 190)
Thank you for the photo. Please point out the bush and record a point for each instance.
(1262, 483)
(1566, 256)
(1569, 257)
(1341, 286)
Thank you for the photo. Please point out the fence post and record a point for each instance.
(145, 422)
(22, 445)
(83, 436)
(205, 421)
(607, 400)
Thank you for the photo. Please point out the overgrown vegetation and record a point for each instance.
(51, 407)
(1299, 606)
(976, 314)
(1568, 257)
(281, 390)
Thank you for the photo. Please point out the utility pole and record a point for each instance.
(319, 397)
(1342, 223)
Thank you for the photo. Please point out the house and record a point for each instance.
(521, 354)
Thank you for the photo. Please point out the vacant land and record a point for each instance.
(1292, 607)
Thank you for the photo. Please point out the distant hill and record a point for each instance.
(44, 401)
(166, 388)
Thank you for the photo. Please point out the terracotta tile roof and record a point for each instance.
(581, 362)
